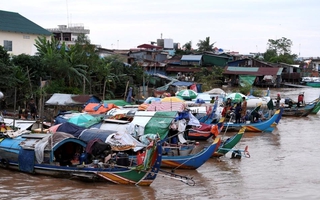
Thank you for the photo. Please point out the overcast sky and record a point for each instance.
(236, 25)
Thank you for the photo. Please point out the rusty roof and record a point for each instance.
(82, 98)
(149, 46)
(182, 69)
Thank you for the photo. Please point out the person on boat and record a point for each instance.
(227, 108)
(243, 109)
(2, 125)
(32, 108)
(278, 101)
(212, 100)
(300, 100)
(258, 116)
(290, 103)
(237, 111)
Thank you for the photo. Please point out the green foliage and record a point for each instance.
(4, 56)
(58, 86)
(204, 45)
(245, 89)
(279, 51)
(186, 49)
(7, 78)
(209, 78)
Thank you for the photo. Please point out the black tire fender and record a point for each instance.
(4, 163)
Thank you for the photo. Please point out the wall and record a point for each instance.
(21, 43)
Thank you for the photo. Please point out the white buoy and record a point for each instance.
(1, 95)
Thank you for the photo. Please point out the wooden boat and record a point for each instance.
(205, 131)
(58, 155)
(264, 126)
(313, 84)
(192, 160)
(311, 81)
(316, 108)
(201, 133)
(228, 144)
(301, 111)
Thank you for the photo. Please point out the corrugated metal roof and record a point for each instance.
(191, 57)
(257, 71)
(149, 46)
(14, 22)
(243, 69)
(182, 83)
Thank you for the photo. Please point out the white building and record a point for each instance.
(18, 34)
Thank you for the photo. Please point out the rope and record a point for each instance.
(225, 130)
(184, 179)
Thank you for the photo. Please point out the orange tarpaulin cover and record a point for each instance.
(97, 108)
(143, 106)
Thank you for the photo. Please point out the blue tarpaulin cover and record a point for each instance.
(90, 134)
(70, 128)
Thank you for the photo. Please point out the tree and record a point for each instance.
(281, 46)
(7, 78)
(279, 51)
(187, 47)
(204, 45)
(28, 70)
(63, 62)
(185, 50)
(210, 78)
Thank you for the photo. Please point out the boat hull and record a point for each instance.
(192, 161)
(316, 109)
(299, 111)
(229, 144)
(313, 84)
(265, 126)
(18, 154)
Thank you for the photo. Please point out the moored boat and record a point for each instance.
(263, 126)
(195, 159)
(316, 108)
(205, 131)
(59, 155)
(301, 111)
(228, 144)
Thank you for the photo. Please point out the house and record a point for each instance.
(149, 47)
(314, 65)
(259, 76)
(18, 34)
(68, 34)
(219, 60)
(191, 60)
(250, 62)
(183, 67)
(290, 73)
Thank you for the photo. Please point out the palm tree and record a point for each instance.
(64, 62)
(187, 46)
(204, 45)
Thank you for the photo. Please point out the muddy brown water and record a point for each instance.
(284, 164)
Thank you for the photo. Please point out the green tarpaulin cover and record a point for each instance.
(117, 102)
(246, 80)
(159, 123)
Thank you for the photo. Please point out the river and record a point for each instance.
(284, 164)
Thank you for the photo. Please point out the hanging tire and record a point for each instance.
(236, 154)
(4, 163)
